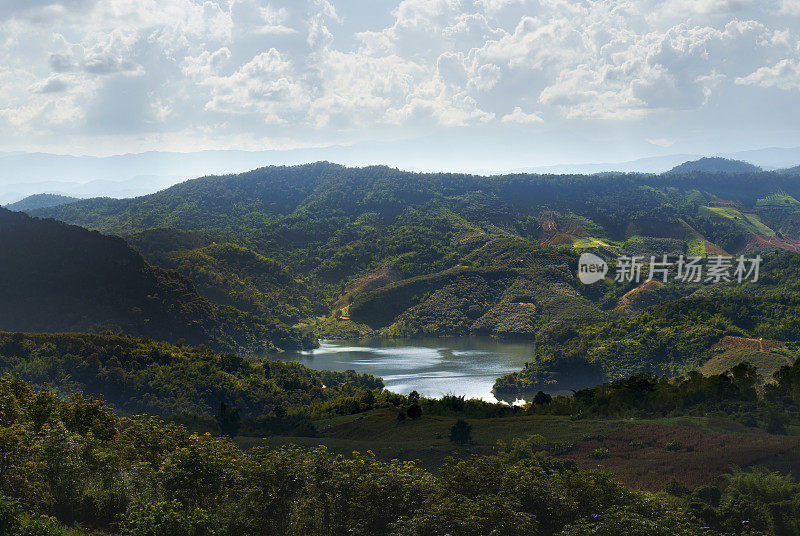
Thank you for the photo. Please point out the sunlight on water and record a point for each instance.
(434, 367)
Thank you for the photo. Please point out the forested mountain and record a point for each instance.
(377, 251)
(58, 277)
(715, 165)
(791, 171)
(381, 251)
(32, 202)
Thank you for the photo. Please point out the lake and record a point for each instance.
(464, 366)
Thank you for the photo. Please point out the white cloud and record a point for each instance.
(54, 84)
(518, 116)
(287, 68)
(661, 142)
(783, 75)
(790, 7)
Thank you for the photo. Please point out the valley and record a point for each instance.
(423, 332)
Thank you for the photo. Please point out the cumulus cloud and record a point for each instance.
(522, 118)
(54, 84)
(783, 75)
(306, 69)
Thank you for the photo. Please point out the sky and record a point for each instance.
(421, 83)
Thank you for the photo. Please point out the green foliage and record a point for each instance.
(141, 375)
(140, 476)
(732, 394)
(166, 519)
(56, 277)
(461, 432)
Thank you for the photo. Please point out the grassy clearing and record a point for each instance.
(766, 363)
(589, 242)
(696, 247)
(637, 452)
(749, 222)
(759, 225)
(778, 200)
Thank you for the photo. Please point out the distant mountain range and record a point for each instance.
(131, 175)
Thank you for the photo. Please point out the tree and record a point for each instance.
(542, 398)
(228, 420)
(461, 432)
(414, 411)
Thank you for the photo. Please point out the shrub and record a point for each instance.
(461, 432)
(166, 519)
(561, 447)
(593, 437)
(599, 454)
(777, 422)
(708, 494)
(414, 411)
(9, 515)
(674, 445)
(676, 489)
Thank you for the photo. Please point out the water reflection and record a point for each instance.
(465, 366)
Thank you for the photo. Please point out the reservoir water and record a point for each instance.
(464, 366)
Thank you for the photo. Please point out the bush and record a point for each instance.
(676, 489)
(593, 437)
(777, 422)
(708, 494)
(599, 454)
(674, 446)
(461, 432)
(9, 515)
(414, 411)
(561, 447)
(166, 519)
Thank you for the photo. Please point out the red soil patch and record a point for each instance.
(761, 242)
(628, 300)
(703, 456)
(377, 279)
(553, 235)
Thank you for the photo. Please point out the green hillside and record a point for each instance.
(57, 277)
(716, 165)
(379, 250)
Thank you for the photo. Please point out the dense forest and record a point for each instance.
(57, 277)
(75, 460)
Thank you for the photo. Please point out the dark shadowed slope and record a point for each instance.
(57, 277)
